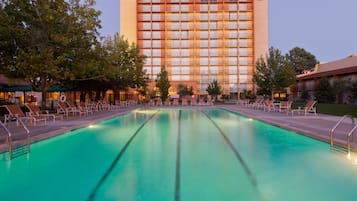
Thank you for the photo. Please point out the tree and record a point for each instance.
(339, 87)
(324, 91)
(163, 83)
(273, 73)
(125, 63)
(214, 89)
(301, 60)
(47, 42)
(184, 90)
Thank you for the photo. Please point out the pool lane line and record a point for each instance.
(251, 177)
(114, 163)
(178, 160)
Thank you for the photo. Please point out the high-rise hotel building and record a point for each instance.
(199, 41)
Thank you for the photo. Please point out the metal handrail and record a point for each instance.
(27, 132)
(8, 138)
(336, 125)
(349, 135)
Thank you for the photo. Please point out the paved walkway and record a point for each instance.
(318, 126)
(315, 126)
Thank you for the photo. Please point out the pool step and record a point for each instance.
(19, 151)
(339, 149)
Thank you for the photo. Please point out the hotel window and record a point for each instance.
(243, 69)
(233, 16)
(204, 70)
(146, 17)
(156, 61)
(156, 1)
(204, 34)
(233, 34)
(156, 52)
(184, 8)
(175, 52)
(184, 34)
(147, 43)
(148, 61)
(233, 78)
(185, 52)
(243, 43)
(185, 77)
(213, 52)
(185, 43)
(203, 43)
(146, 26)
(204, 78)
(213, 70)
(203, 16)
(156, 43)
(243, 25)
(184, 17)
(175, 8)
(204, 25)
(175, 17)
(204, 7)
(146, 8)
(213, 34)
(243, 52)
(175, 77)
(185, 61)
(156, 17)
(147, 35)
(232, 60)
(184, 25)
(213, 25)
(213, 7)
(213, 43)
(204, 61)
(232, 52)
(232, 7)
(213, 77)
(175, 70)
(243, 61)
(175, 34)
(175, 61)
(147, 52)
(243, 78)
(243, 7)
(156, 25)
(213, 61)
(175, 43)
(185, 70)
(232, 69)
(203, 52)
(213, 16)
(233, 43)
(175, 26)
(203, 87)
(232, 25)
(156, 8)
(155, 71)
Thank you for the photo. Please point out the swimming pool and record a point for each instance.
(179, 154)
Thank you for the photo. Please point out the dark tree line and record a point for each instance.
(49, 43)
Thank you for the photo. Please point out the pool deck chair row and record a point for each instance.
(308, 108)
(16, 112)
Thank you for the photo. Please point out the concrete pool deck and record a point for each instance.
(314, 126)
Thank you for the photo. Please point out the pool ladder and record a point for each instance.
(10, 143)
(349, 134)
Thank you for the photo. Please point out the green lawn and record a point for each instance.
(333, 109)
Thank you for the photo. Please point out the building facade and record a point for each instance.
(341, 70)
(198, 41)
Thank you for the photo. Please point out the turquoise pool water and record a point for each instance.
(187, 155)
